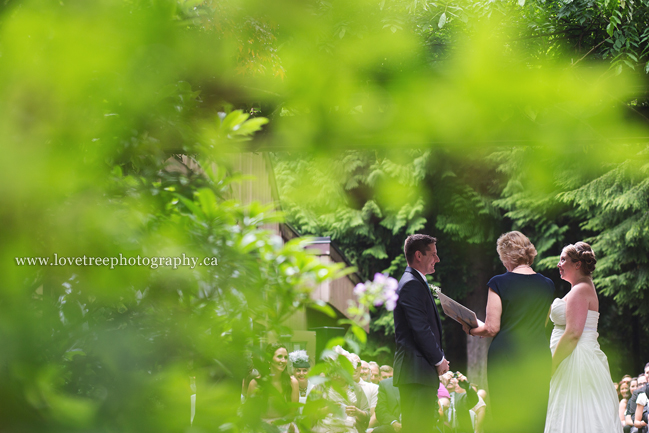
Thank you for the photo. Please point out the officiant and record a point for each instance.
(517, 306)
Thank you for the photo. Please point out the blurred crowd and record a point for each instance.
(364, 401)
(632, 393)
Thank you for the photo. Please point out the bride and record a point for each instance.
(582, 394)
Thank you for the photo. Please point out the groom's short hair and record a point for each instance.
(416, 243)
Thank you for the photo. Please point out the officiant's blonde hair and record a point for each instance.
(514, 248)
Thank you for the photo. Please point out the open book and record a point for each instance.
(457, 311)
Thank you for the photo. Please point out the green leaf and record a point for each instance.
(193, 208)
(353, 345)
(251, 126)
(377, 251)
(442, 20)
(324, 308)
(318, 369)
(233, 119)
(208, 202)
(74, 352)
(336, 341)
(359, 333)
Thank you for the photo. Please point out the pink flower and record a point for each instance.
(379, 278)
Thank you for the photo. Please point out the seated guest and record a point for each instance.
(463, 399)
(625, 394)
(443, 399)
(388, 408)
(366, 374)
(633, 384)
(345, 408)
(640, 418)
(252, 374)
(631, 406)
(629, 416)
(375, 373)
(371, 390)
(270, 395)
(386, 372)
(301, 366)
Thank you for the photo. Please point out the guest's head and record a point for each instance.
(515, 249)
(358, 367)
(421, 253)
(366, 374)
(277, 357)
(576, 261)
(642, 380)
(335, 360)
(386, 372)
(633, 385)
(375, 373)
(646, 371)
(626, 378)
(299, 360)
(276, 362)
(625, 392)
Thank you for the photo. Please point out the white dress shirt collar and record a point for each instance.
(423, 277)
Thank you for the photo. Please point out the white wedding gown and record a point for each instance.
(582, 395)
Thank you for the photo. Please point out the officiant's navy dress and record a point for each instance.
(520, 362)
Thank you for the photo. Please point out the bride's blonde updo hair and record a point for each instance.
(582, 252)
(515, 249)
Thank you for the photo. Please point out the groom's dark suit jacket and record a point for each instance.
(418, 333)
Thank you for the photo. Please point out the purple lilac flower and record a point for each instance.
(359, 289)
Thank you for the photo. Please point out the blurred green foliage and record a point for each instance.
(99, 100)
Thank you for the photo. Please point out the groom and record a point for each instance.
(419, 359)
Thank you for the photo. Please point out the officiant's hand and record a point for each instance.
(467, 329)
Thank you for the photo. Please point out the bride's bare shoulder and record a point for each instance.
(584, 292)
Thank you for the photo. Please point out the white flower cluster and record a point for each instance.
(352, 359)
(332, 355)
(298, 355)
(383, 290)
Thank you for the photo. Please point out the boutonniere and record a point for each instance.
(436, 290)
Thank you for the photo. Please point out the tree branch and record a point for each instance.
(585, 55)
(544, 34)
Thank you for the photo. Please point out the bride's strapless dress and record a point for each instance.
(582, 395)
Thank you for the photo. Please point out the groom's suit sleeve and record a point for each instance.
(419, 310)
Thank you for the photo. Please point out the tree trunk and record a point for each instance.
(476, 300)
